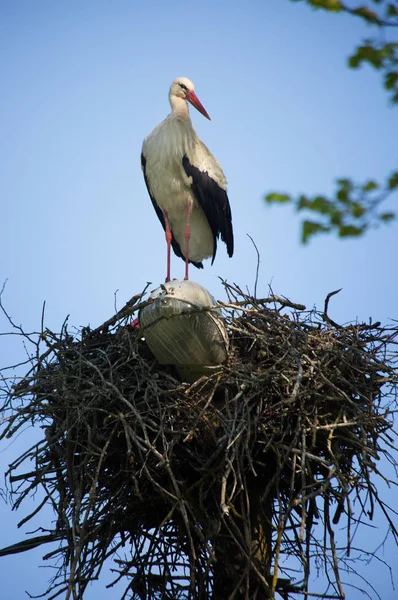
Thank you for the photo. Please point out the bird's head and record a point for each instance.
(184, 88)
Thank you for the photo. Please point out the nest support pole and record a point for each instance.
(243, 549)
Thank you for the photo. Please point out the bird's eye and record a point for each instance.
(184, 87)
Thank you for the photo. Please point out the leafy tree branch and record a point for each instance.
(377, 51)
(352, 210)
(355, 208)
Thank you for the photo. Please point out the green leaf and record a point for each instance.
(321, 205)
(345, 188)
(342, 195)
(310, 228)
(392, 10)
(276, 197)
(318, 204)
(354, 61)
(393, 181)
(367, 14)
(369, 186)
(350, 230)
(303, 202)
(336, 217)
(345, 183)
(387, 216)
(330, 5)
(357, 210)
(388, 50)
(370, 54)
(390, 80)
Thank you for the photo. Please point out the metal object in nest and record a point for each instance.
(184, 327)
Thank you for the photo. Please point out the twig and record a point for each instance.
(257, 264)
(325, 310)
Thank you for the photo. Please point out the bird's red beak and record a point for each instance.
(194, 100)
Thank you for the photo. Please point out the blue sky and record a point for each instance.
(84, 82)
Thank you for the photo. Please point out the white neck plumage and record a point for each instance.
(179, 107)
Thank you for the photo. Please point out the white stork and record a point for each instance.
(186, 184)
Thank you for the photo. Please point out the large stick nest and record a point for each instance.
(229, 487)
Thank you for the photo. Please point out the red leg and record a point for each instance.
(169, 237)
(187, 235)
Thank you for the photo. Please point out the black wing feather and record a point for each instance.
(214, 202)
(159, 212)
